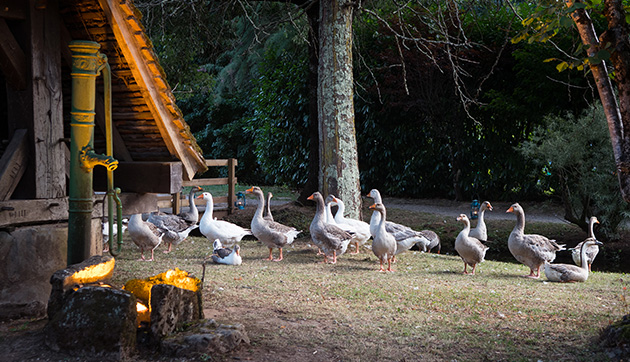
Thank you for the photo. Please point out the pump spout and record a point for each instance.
(89, 159)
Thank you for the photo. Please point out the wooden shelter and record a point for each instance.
(152, 142)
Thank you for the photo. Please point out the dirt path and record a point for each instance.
(539, 212)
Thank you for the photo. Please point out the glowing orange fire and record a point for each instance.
(141, 288)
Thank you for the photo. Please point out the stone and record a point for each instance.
(171, 307)
(95, 321)
(204, 337)
(616, 339)
(97, 268)
(29, 255)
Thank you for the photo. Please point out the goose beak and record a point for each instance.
(490, 206)
(310, 197)
(249, 190)
(200, 196)
(373, 206)
(511, 209)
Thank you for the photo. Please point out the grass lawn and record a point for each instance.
(302, 310)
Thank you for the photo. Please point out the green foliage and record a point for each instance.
(279, 120)
(576, 162)
(423, 143)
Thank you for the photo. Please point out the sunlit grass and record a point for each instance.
(425, 310)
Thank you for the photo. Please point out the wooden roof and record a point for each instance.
(148, 124)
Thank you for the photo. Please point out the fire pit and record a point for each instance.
(88, 316)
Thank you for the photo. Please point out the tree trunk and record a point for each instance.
(312, 183)
(339, 169)
(617, 34)
(621, 146)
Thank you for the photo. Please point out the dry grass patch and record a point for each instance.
(301, 310)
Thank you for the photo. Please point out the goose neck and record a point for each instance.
(520, 222)
(261, 205)
(207, 215)
(583, 256)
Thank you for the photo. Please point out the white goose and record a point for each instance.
(384, 244)
(229, 234)
(330, 238)
(568, 273)
(360, 230)
(228, 256)
(480, 231)
(270, 233)
(532, 250)
(469, 248)
(591, 251)
(144, 234)
(405, 236)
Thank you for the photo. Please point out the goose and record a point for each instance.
(192, 215)
(530, 249)
(591, 251)
(330, 219)
(480, 231)
(144, 234)
(217, 248)
(384, 244)
(270, 233)
(331, 239)
(228, 233)
(360, 230)
(176, 228)
(233, 256)
(105, 231)
(469, 248)
(267, 211)
(568, 273)
(434, 241)
(405, 236)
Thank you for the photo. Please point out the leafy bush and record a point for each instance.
(576, 163)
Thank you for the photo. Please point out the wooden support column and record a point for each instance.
(38, 108)
(231, 184)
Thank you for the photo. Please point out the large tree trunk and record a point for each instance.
(620, 143)
(339, 169)
(618, 36)
(312, 183)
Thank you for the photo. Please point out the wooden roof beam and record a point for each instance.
(152, 87)
(12, 59)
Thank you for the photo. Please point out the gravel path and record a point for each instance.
(539, 212)
(534, 211)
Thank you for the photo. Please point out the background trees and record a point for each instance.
(442, 97)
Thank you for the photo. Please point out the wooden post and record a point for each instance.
(177, 203)
(231, 184)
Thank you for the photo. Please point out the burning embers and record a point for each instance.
(189, 297)
(86, 317)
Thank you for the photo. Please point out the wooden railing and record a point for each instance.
(177, 201)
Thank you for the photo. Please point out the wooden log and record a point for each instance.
(208, 181)
(13, 164)
(143, 177)
(19, 212)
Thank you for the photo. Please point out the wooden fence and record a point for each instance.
(179, 200)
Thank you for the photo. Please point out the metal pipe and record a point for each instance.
(86, 61)
(112, 194)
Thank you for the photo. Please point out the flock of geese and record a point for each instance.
(333, 234)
